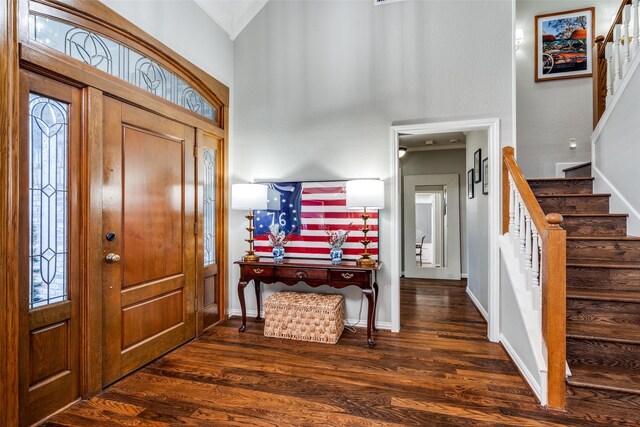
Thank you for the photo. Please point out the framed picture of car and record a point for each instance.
(564, 42)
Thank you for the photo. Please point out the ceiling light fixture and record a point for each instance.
(402, 151)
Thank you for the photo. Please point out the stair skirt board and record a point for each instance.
(539, 389)
(618, 202)
(534, 372)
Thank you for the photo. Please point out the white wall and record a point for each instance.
(185, 28)
(616, 153)
(477, 224)
(317, 86)
(442, 162)
(551, 112)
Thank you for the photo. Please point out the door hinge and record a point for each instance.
(195, 150)
(195, 302)
(195, 228)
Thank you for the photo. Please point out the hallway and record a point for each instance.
(440, 370)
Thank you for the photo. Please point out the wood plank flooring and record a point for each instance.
(439, 371)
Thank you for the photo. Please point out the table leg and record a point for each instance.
(370, 315)
(256, 285)
(375, 305)
(243, 305)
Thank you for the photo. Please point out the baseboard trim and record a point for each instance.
(464, 275)
(479, 306)
(522, 368)
(362, 323)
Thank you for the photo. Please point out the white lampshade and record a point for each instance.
(248, 196)
(365, 193)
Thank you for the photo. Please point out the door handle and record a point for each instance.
(112, 258)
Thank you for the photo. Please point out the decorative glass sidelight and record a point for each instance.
(209, 202)
(119, 61)
(48, 200)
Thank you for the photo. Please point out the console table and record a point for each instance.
(314, 273)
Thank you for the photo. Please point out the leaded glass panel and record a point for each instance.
(209, 201)
(48, 200)
(119, 61)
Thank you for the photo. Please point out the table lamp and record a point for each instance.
(365, 194)
(249, 197)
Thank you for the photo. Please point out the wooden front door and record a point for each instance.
(149, 237)
(210, 233)
(49, 248)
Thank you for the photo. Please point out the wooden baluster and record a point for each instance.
(617, 55)
(527, 242)
(626, 19)
(611, 67)
(522, 227)
(635, 28)
(535, 258)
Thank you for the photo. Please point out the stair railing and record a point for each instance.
(542, 246)
(613, 55)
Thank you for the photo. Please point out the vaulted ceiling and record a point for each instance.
(232, 15)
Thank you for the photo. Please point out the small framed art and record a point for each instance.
(470, 184)
(485, 176)
(477, 173)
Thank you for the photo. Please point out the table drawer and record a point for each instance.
(257, 271)
(301, 273)
(348, 276)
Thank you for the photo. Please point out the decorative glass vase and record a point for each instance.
(336, 255)
(278, 254)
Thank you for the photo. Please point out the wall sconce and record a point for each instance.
(402, 151)
(249, 197)
(365, 194)
(519, 37)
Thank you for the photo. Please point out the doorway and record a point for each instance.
(431, 218)
(491, 126)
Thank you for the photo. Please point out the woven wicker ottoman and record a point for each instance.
(304, 316)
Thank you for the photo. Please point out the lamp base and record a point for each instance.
(251, 258)
(366, 262)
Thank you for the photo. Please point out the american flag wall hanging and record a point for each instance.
(312, 206)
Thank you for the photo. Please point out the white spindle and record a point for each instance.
(608, 52)
(527, 243)
(626, 51)
(522, 227)
(635, 27)
(617, 54)
(516, 214)
(512, 213)
(535, 253)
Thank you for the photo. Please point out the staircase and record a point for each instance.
(603, 294)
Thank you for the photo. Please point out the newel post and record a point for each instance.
(506, 151)
(554, 276)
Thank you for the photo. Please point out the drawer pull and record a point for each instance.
(301, 274)
(347, 275)
(258, 270)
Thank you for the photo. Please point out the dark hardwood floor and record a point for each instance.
(440, 370)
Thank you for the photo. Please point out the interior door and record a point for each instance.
(449, 267)
(149, 237)
(49, 248)
(210, 293)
